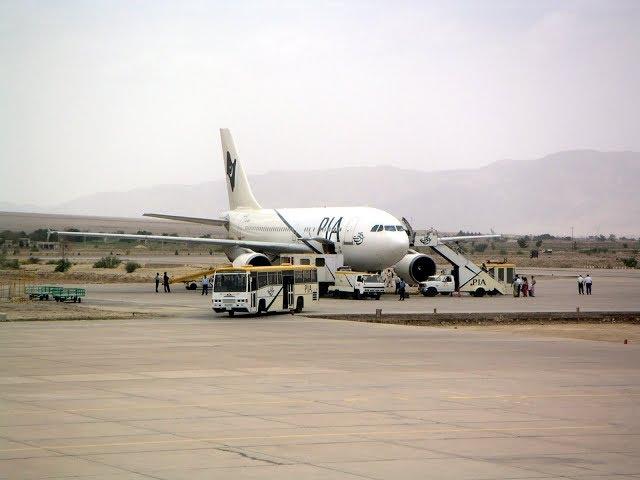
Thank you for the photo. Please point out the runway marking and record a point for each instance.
(153, 407)
(553, 395)
(300, 435)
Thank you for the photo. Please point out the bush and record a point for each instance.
(131, 267)
(522, 242)
(51, 262)
(62, 265)
(107, 262)
(9, 264)
(630, 262)
(480, 247)
(32, 261)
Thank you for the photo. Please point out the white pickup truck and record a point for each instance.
(357, 285)
(438, 284)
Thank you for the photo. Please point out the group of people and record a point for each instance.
(584, 284)
(165, 282)
(522, 286)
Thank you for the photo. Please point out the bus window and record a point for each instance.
(501, 274)
(230, 282)
(320, 262)
(314, 276)
(253, 282)
(305, 261)
(287, 260)
(263, 279)
(273, 278)
(299, 277)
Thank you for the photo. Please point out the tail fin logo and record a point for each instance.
(231, 171)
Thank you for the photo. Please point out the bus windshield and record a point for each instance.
(230, 282)
(373, 278)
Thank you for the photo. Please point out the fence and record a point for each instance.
(12, 289)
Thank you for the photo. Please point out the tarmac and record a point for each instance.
(192, 395)
(556, 291)
(291, 397)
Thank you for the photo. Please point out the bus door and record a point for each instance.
(287, 289)
(253, 285)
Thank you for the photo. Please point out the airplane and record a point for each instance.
(370, 239)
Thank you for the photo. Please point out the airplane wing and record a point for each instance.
(467, 237)
(270, 247)
(218, 222)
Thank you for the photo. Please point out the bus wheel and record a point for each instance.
(262, 306)
(231, 313)
(378, 296)
(356, 295)
(430, 292)
(479, 292)
(299, 304)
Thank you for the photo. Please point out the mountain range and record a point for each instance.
(592, 191)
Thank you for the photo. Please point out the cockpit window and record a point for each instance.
(389, 228)
(375, 228)
(400, 228)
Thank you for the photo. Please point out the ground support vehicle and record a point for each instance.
(277, 288)
(357, 285)
(326, 263)
(491, 278)
(41, 292)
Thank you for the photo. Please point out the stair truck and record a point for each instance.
(492, 278)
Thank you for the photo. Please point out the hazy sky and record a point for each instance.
(108, 95)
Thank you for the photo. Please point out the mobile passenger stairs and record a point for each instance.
(491, 278)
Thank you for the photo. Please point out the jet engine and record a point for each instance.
(415, 268)
(251, 258)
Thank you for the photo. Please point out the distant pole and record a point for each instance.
(571, 233)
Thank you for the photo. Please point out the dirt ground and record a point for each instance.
(37, 310)
(615, 333)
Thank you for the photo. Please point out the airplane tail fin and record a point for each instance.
(240, 194)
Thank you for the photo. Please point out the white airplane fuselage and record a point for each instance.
(351, 229)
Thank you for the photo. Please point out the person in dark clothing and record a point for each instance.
(165, 283)
(157, 281)
(401, 289)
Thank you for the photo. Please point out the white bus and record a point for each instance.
(278, 288)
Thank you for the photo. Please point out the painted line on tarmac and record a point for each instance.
(302, 435)
(154, 407)
(553, 395)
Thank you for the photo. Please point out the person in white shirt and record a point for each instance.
(588, 281)
(205, 286)
(517, 286)
(580, 285)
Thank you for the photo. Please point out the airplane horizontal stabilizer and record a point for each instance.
(218, 222)
(270, 247)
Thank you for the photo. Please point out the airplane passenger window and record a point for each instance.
(390, 228)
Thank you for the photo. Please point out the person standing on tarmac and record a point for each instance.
(588, 281)
(580, 285)
(157, 281)
(205, 285)
(532, 287)
(401, 288)
(165, 283)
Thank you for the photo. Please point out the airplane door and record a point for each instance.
(349, 230)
